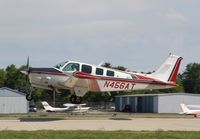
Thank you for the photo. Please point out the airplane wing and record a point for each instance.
(79, 85)
(70, 83)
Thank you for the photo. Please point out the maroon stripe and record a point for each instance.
(143, 77)
(142, 81)
(175, 70)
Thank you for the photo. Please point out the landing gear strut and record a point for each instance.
(75, 99)
(54, 97)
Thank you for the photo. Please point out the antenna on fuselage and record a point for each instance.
(101, 63)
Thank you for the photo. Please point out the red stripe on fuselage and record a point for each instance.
(143, 77)
(142, 81)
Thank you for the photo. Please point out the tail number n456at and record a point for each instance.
(119, 85)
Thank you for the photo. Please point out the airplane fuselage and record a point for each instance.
(86, 77)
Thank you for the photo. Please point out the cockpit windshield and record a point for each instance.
(72, 67)
(60, 65)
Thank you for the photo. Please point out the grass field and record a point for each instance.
(98, 135)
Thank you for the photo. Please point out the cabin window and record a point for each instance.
(86, 69)
(72, 67)
(110, 73)
(99, 71)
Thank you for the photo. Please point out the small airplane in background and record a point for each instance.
(68, 107)
(194, 107)
(78, 107)
(186, 110)
(80, 78)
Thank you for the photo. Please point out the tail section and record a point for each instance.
(185, 108)
(169, 69)
(46, 106)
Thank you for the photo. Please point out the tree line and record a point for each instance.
(11, 77)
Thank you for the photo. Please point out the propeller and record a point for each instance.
(27, 62)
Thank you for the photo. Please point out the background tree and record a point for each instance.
(178, 89)
(122, 68)
(97, 97)
(191, 78)
(2, 77)
(12, 77)
(107, 64)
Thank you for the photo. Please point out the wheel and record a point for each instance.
(75, 99)
(29, 97)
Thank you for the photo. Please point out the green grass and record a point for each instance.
(98, 135)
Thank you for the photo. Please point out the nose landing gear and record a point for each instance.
(29, 97)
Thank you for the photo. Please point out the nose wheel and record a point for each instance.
(75, 99)
(29, 97)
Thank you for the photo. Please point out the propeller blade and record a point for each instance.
(27, 68)
(27, 63)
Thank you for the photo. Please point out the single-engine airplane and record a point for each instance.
(80, 78)
(67, 108)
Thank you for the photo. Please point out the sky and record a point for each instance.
(137, 34)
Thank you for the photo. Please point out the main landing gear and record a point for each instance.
(75, 99)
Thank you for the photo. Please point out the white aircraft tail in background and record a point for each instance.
(186, 110)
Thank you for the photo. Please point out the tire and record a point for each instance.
(29, 97)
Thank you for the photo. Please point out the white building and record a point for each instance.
(155, 103)
(12, 101)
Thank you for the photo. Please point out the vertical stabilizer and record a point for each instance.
(46, 106)
(185, 108)
(169, 69)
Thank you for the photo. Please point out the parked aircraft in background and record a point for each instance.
(80, 78)
(186, 110)
(48, 108)
(78, 107)
(68, 107)
(194, 107)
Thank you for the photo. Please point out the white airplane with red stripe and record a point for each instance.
(82, 77)
(194, 112)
